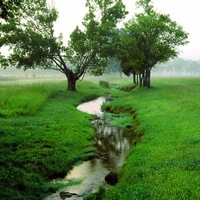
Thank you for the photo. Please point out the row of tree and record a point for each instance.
(178, 67)
(147, 39)
(174, 67)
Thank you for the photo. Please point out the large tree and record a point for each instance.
(29, 33)
(149, 38)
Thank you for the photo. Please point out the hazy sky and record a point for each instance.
(186, 13)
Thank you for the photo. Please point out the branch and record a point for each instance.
(85, 65)
(61, 69)
(43, 30)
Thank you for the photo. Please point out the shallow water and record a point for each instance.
(112, 144)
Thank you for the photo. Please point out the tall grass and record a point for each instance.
(17, 99)
(166, 163)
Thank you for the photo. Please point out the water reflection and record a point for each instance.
(93, 107)
(112, 144)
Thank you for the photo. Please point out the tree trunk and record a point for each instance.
(141, 79)
(137, 78)
(134, 77)
(144, 79)
(148, 74)
(71, 80)
(71, 86)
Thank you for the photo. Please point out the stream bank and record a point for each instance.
(112, 144)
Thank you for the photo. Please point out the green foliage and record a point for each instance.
(165, 164)
(29, 33)
(148, 39)
(5, 5)
(89, 48)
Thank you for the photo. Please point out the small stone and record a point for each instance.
(111, 178)
(64, 195)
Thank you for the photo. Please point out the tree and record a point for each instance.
(30, 35)
(113, 66)
(180, 67)
(148, 39)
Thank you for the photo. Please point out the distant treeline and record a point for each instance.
(178, 67)
(30, 73)
(175, 67)
(8, 78)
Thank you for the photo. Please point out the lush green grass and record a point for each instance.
(166, 163)
(40, 127)
(18, 99)
(42, 136)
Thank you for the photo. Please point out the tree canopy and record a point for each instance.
(29, 33)
(149, 38)
(4, 8)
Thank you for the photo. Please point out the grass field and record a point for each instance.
(42, 136)
(40, 127)
(166, 163)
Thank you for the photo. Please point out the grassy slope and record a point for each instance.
(166, 163)
(42, 135)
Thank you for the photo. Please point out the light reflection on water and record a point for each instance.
(92, 107)
(112, 144)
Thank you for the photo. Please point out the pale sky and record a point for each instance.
(186, 13)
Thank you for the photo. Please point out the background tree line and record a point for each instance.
(174, 67)
(178, 67)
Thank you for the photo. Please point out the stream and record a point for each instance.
(112, 144)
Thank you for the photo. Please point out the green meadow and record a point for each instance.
(165, 164)
(43, 135)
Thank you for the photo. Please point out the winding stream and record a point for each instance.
(112, 144)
